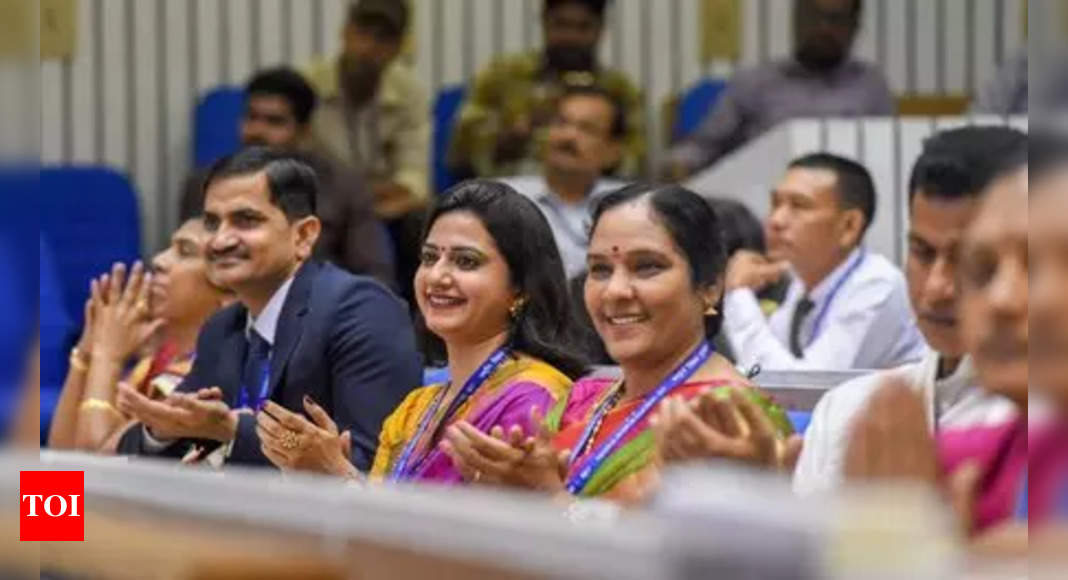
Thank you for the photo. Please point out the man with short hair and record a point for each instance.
(374, 112)
(279, 105)
(511, 102)
(846, 307)
(301, 329)
(584, 140)
(819, 80)
(946, 187)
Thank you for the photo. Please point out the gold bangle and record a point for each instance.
(93, 404)
(76, 361)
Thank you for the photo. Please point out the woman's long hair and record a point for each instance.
(543, 327)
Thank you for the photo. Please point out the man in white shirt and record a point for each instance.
(846, 307)
(584, 141)
(954, 170)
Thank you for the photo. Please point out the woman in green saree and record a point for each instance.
(656, 261)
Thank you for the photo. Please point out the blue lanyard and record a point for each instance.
(400, 468)
(1021, 500)
(578, 481)
(265, 383)
(816, 326)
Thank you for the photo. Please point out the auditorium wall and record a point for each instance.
(125, 100)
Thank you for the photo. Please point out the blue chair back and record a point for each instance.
(695, 104)
(90, 217)
(57, 334)
(446, 106)
(215, 124)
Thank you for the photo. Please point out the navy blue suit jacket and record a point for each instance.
(345, 341)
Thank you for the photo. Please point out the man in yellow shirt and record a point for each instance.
(373, 111)
(509, 104)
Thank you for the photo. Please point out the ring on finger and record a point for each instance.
(290, 440)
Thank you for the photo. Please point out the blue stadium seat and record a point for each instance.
(695, 104)
(89, 216)
(57, 334)
(215, 124)
(446, 106)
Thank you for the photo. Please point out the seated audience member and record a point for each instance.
(948, 180)
(982, 466)
(278, 110)
(819, 80)
(301, 328)
(491, 293)
(846, 307)
(584, 139)
(1006, 92)
(654, 289)
(154, 315)
(1047, 446)
(511, 102)
(373, 112)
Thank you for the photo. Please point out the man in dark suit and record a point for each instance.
(302, 328)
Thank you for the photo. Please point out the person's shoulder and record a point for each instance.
(529, 369)
(511, 65)
(877, 270)
(863, 69)
(837, 407)
(338, 280)
(759, 75)
(321, 74)
(401, 84)
(618, 82)
(528, 185)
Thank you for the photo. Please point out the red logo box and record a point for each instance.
(51, 506)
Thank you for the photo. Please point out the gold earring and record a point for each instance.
(516, 307)
(710, 310)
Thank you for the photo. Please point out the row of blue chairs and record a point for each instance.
(219, 111)
(89, 220)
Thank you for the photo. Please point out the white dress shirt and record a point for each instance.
(866, 324)
(266, 324)
(956, 401)
(568, 221)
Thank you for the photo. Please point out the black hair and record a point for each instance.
(854, 185)
(386, 20)
(692, 224)
(858, 8)
(741, 230)
(619, 111)
(961, 163)
(290, 85)
(542, 327)
(292, 182)
(598, 7)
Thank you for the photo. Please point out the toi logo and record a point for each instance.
(51, 506)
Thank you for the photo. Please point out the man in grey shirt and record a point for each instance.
(584, 141)
(820, 80)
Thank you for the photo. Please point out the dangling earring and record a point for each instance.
(710, 310)
(516, 307)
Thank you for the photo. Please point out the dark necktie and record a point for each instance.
(256, 360)
(804, 306)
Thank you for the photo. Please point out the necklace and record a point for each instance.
(609, 403)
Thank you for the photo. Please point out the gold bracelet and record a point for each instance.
(77, 360)
(93, 404)
(77, 364)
